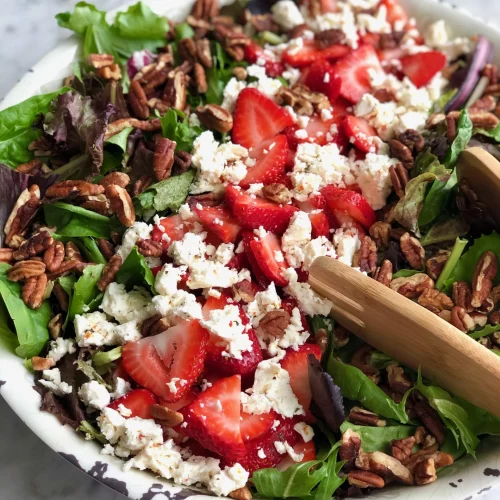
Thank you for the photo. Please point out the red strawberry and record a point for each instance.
(253, 52)
(220, 221)
(254, 426)
(178, 352)
(322, 78)
(422, 67)
(311, 53)
(289, 304)
(297, 366)
(251, 212)
(138, 401)
(372, 39)
(214, 418)
(270, 158)
(324, 5)
(261, 278)
(320, 226)
(353, 69)
(257, 118)
(344, 201)
(265, 250)
(264, 446)
(170, 229)
(187, 399)
(360, 133)
(395, 13)
(239, 262)
(307, 449)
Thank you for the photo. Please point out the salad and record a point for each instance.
(161, 210)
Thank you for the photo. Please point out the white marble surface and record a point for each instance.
(29, 470)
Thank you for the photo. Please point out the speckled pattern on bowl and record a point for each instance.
(465, 480)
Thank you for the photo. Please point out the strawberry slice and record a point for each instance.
(349, 202)
(320, 225)
(271, 157)
(239, 262)
(254, 52)
(360, 133)
(177, 353)
(214, 418)
(295, 363)
(187, 399)
(372, 39)
(257, 118)
(307, 449)
(254, 426)
(322, 78)
(354, 71)
(170, 229)
(395, 13)
(138, 401)
(220, 221)
(265, 250)
(261, 278)
(421, 68)
(310, 53)
(251, 212)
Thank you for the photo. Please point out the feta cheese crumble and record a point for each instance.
(94, 394)
(60, 347)
(52, 381)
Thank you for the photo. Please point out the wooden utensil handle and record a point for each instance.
(410, 333)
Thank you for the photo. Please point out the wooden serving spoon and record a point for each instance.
(408, 332)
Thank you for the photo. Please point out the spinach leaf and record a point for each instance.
(106, 357)
(135, 272)
(140, 22)
(175, 126)
(405, 273)
(452, 414)
(484, 332)
(480, 420)
(120, 139)
(464, 134)
(16, 127)
(445, 230)
(380, 360)
(379, 438)
(89, 371)
(91, 432)
(183, 31)
(444, 280)
(356, 386)
(74, 221)
(31, 325)
(464, 268)
(407, 210)
(85, 292)
(169, 194)
(329, 485)
(8, 338)
(436, 199)
(427, 162)
(90, 250)
(444, 99)
(493, 133)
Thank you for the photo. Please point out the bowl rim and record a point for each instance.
(466, 478)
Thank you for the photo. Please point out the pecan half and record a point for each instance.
(106, 248)
(6, 255)
(175, 93)
(413, 251)
(302, 100)
(204, 53)
(383, 274)
(435, 301)
(490, 71)
(121, 204)
(112, 72)
(485, 103)
(240, 73)
(435, 264)
(425, 472)
(494, 318)
(380, 232)
(462, 295)
(164, 158)
(73, 252)
(244, 291)
(399, 179)
(278, 193)
(165, 416)
(485, 272)
(402, 153)
(430, 419)
(365, 479)
(412, 139)
(109, 272)
(141, 184)
(54, 256)
(35, 245)
(401, 449)
(187, 50)
(138, 100)
(341, 336)
(154, 325)
(350, 448)
(22, 213)
(200, 78)
(146, 126)
(460, 319)
(39, 364)
(205, 9)
(367, 255)
(321, 339)
(274, 323)
(386, 466)
(182, 162)
(61, 296)
(359, 415)
(64, 189)
(149, 248)
(33, 167)
(215, 117)
(98, 61)
(412, 286)
(98, 204)
(479, 319)
(118, 178)
(33, 291)
(64, 269)
(329, 37)
(398, 381)
(479, 119)
(25, 269)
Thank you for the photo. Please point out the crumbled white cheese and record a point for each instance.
(268, 86)
(231, 92)
(60, 347)
(126, 306)
(295, 238)
(283, 447)
(319, 247)
(122, 387)
(263, 302)
(293, 337)
(306, 431)
(130, 237)
(52, 381)
(190, 250)
(228, 480)
(376, 23)
(127, 332)
(112, 425)
(176, 381)
(436, 36)
(287, 14)
(108, 450)
(94, 394)
(94, 329)
(185, 211)
(347, 243)
(224, 253)
(180, 305)
(168, 277)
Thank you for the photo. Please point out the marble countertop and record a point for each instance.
(29, 470)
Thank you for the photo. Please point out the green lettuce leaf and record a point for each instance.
(436, 199)
(480, 420)
(91, 432)
(16, 127)
(405, 273)
(452, 414)
(74, 221)
(120, 140)
(379, 438)
(446, 230)
(85, 292)
(8, 338)
(356, 386)
(484, 332)
(175, 126)
(427, 162)
(135, 272)
(493, 133)
(464, 134)
(183, 31)
(329, 485)
(105, 357)
(443, 281)
(444, 99)
(169, 194)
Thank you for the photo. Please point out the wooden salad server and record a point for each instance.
(408, 332)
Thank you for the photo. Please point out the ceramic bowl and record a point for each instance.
(465, 480)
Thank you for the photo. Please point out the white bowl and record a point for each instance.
(464, 480)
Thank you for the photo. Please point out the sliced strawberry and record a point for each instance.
(177, 353)
(187, 399)
(138, 401)
(289, 304)
(254, 52)
(257, 118)
(261, 278)
(297, 366)
(214, 418)
(261, 452)
(421, 68)
(252, 212)
(395, 13)
(360, 133)
(220, 221)
(311, 53)
(170, 229)
(372, 39)
(388, 56)
(322, 78)
(265, 251)
(239, 262)
(254, 426)
(354, 70)
(320, 225)
(307, 449)
(271, 157)
(345, 201)
(214, 303)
